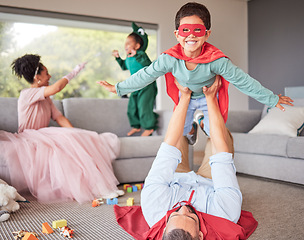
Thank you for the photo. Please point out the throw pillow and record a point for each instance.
(290, 122)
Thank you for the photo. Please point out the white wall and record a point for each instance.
(229, 27)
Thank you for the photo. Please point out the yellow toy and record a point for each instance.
(130, 202)
(60, 223)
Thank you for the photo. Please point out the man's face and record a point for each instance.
(184, 218)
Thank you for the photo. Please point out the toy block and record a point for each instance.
(134, 188)
(97, 202)
(46, 228)
(139, 187)
(129, 189)
(112, 201)
(29, 236)
(142, 185)
(59, 223)
(130, 202)
(125, 186)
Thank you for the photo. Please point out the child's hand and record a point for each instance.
(115, 53)
(108, 86)
(214, 88)
(132, 53)
(183, 90)
(284, 100)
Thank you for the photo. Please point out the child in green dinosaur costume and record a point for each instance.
(141, 102)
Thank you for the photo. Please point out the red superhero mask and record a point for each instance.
(197, 30)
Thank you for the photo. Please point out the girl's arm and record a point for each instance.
(63, 122)
(60, 84)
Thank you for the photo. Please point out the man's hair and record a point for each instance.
(179, 234)
(193, 8)
(137, 38)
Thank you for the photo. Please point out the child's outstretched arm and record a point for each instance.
(108, 86)
(284, 100)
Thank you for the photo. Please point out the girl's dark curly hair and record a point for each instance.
(27, 66)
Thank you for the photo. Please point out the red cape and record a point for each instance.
(209, 54)
(133, 222)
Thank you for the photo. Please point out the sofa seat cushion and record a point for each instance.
(295, 147)
(138, 147)
(266, 144)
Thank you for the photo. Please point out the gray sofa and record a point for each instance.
(101, 115)
(266, 155)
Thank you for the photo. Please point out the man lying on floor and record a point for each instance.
(187, 205)
(164, 188)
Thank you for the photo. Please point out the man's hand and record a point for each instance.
(284, 100)
(115, 53)
(184, 90)
(108, 86)
(213, 89)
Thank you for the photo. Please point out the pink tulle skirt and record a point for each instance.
(60, 164)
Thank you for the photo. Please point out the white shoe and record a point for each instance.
(120, 192)
(110, 195)
(4, 215)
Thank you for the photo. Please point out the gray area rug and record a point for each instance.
(278, 207)
(87, 221)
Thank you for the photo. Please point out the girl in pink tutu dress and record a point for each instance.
(56, 163)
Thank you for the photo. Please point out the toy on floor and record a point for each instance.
(59, 223)
(29, 236)
(97, 202)
(130, 201)
(20, 234)
(112, 201)
(133, 188)
(66, 232)
(8, 198)
(46, 228)
(4, 215)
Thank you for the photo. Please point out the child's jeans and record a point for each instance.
(197, 104)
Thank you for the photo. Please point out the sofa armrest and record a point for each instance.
(243, 121)
(164, 117)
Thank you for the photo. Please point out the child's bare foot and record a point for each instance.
(147, 132)
(133, 130)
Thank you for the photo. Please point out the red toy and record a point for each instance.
(66, 232)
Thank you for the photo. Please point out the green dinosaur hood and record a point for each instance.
(141, 32)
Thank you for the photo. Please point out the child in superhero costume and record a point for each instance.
(141, 102)
(194, 63)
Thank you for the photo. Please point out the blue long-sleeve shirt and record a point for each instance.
(202, 75)
(164, 187)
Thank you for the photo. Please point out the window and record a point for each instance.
(63, 41)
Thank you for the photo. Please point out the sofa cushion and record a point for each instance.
(242, 121)
(9, 114)
(288, 122)
(295, 147)
(137, 147)
(265, 144)
(100, 115)
(58, 105)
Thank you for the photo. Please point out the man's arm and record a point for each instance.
(177, 121)
(226, 199)
(157, 194)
